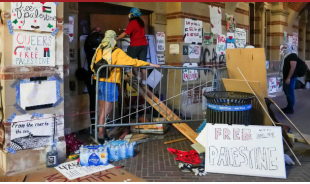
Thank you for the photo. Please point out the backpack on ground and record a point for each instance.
(104, 72)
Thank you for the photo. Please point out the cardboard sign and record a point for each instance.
(221, 44)
(33, 49)
(16, 178)
(216, 19)
(31, 16)
(240, 38)
(245, 150)
(193, 31)
(160, 37)
(161, 59)
(190, 75)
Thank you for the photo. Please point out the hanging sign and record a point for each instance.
(240, 38)
(39, 16)
(160, 38)
(193, 31)
(221, 44)
(161, 59)
(33, 49)
(190, 75)
(216, 19)
(230, 41)
(71, 28)
(244, 150)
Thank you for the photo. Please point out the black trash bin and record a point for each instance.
(229, 107)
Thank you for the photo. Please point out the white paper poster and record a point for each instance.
(285, 37)
(230, 41)
(279, 84)
(73, 170)
(240, 38)
(28, 132)
(33, 93)
(194, 51)
(290, 40)
(71, 28)
(33, 49)
(295, 39)
(174, 49)
(39, 16)
(160, 38)
(244, 150)
(204, 100)
(272, 85)
(66, 29)
(221, 45)
(193, 31)
(190, 75)
(216, 19)
(161, 59)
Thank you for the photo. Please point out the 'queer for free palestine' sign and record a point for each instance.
(33, 49)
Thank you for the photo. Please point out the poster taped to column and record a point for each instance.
(160, 40)
(207, 38)
(39, 16)
(230, 41)
(240, 38)
(193, 31)
(33, 49)
(193, 51)
(245, 150)
(161, 59)
(221, 44)
(216, 19)
(190, 75)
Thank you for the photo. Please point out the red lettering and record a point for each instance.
(217, 132)
(57, 177)
(246, 134)
(236, 134)
(36, 55)
(17, 39)
(31, 54)
(20, 54)
(26, 55)
(226, 134)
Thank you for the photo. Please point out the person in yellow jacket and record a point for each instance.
(108, 89)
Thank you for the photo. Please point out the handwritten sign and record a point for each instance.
(160, 37)
(207, 38)
(71, 28)
(174, 49)
(221, 44)
(72, 170)
(295, 39)
(33, 49)
(245, 150)
(194, 51)
(272, 85)
(230, 41)
(193, 31)
(240, 38)
(190, 75)
(161, 59)
(28, 132)
(216, 19)
(39, 16)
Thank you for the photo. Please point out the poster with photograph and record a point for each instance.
(160, 38)
(240, 38)
(231, 23)
(230, 41)
(32, 131)
(33, 49)
(295, 39)
(161, 59)
(221, 45)
(31, 16)
(193, 31)
(216, 19)
(207, 38)
(193, 51)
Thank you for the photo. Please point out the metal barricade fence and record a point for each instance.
(168, 87)
(219, 74)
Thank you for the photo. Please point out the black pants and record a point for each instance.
(139, 52)
(92, 95)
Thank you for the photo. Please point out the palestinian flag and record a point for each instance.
(46, 9)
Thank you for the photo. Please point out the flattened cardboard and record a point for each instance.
(16, 178)
(111, 175)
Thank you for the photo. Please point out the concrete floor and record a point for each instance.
(154, 163)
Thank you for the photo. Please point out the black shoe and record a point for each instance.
(288, 111)
(284, 109)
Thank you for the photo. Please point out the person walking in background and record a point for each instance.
(108, 88)
(138, 43)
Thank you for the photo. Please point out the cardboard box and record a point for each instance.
(16, 178)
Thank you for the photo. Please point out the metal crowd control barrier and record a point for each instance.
(165, 97)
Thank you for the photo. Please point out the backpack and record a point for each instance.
(103, 72)
(301, 68)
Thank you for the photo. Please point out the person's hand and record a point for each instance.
(287, 81)
(153, 65)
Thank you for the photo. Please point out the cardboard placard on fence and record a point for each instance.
(245, 150)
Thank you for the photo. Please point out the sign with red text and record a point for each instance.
(31, 16)
(193, 31)
(245, 150)
(190, 75)
(33, 49)
(221, 44)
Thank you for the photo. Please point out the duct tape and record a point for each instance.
(57, 3)
(9, 23)
(37, 115)
(12, 117)
(21, 110)
(58, 102)
(15, 83)
(54, 33)
(58, 78)
(11, 150)
(229, 108)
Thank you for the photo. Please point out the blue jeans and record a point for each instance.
(289, 92)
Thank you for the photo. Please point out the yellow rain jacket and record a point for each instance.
(119, 57)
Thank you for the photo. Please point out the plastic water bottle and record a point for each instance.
(105, 160)
(111, 153)
(131, 150)
(116, 153)
(123, 152)
(127, 149)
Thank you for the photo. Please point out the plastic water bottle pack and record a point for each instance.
(109, 151)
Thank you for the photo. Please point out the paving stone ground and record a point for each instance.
(155, 164)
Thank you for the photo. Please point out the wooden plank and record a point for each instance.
(176, 140)
(162, 108)
(251, 62)
(259, 116)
